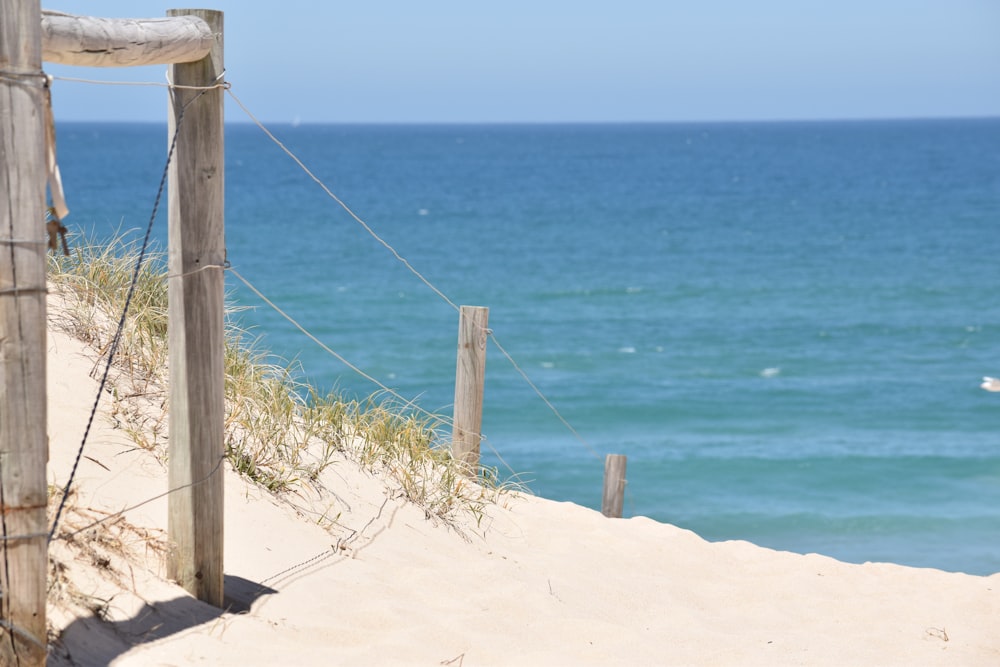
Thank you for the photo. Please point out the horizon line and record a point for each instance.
(720, 121)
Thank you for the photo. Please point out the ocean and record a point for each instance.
(782, 325)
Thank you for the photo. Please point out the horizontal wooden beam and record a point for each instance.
(101, 42)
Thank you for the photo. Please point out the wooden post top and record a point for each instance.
(103, 42)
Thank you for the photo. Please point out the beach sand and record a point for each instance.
(354, 575)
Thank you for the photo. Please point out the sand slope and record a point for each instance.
(531, 582)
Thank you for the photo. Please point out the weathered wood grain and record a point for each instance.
(470, 378)
(107, 42)
(23, 442)
(196, 255)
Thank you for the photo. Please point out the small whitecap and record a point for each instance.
(633, 290)
(423, 211)
(548, 364)
(628, 349)
(770, 372)
(658, 348)
(391, 376)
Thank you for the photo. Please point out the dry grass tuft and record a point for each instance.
(279, 432)
(105, 549)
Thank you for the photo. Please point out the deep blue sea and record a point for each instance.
(782, 325)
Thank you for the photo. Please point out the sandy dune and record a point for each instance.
(354, 575)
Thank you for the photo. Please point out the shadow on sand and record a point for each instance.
(92, 642)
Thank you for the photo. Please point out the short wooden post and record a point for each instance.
(23, 443)
(196, 256)
(470, 378)
(614, 486)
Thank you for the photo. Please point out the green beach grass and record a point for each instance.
(279, 431)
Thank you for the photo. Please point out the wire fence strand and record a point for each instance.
(147, 84)
(326, 348)
(228, 87)
(407, 264)
(125, 309)
(122, 512)
(341, 203)
(395, 253)
(542, 396)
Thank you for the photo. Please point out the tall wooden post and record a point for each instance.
(613, 501)
(195, 333)
(470, 378)
(23, 444)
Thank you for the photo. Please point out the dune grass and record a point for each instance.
(279, 431)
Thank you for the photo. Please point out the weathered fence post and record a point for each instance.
(470, 378)
(23, 443)
(614, 486)
(101, 42)
(197, 254)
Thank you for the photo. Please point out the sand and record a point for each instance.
(355, 575)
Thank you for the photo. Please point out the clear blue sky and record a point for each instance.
(577, 60)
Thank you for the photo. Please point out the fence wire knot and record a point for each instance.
(37, 78)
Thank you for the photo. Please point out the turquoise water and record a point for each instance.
(782, 325)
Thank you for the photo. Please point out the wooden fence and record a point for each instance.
(191, 43)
